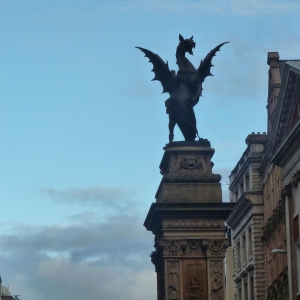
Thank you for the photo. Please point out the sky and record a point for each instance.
(83, 129)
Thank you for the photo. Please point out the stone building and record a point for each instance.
(264, 184)
(284, 153)
(246, 221)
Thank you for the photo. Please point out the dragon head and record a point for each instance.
(186, 45)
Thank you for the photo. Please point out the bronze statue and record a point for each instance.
(185, 88)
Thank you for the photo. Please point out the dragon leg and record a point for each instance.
(172, 124)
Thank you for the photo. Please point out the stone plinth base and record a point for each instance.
(190, 247)
(189, 192)
(187, 174)
(188, 223)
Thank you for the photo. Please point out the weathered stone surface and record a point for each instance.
(187, 174)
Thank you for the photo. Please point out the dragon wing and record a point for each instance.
(205, 65)
(161, 70)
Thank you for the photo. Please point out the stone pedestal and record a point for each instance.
(188, 223)
(187, 174)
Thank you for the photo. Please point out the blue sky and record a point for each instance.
(83, 127)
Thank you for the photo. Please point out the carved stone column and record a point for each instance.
(215, 253)
(188, 223)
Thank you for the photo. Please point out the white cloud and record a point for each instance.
(83, 260)
(116, 197)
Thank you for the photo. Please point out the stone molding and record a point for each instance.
(193, 224)
(190, 248)
(191, 178)
(242, 206)
(216, 247)
(287, 146)
(162, 211)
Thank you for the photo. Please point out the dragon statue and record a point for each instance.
(185, 87)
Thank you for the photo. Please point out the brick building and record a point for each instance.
(264, 184)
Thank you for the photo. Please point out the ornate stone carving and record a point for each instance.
(274, 220)
(194, 248)
(296, 179)
(286, 191)
(216, 279)
(191, 164)
(196, 281)
(216, 247)
(193, 224)
(173, 280)
(173, 247)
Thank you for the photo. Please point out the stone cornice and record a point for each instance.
(242, 206)
(251, 159)
(161, 211)
(287, 147)
(284, 110)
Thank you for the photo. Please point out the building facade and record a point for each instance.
(264, 184)
(246, 221)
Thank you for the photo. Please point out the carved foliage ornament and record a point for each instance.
(172, 247)
(216, 247)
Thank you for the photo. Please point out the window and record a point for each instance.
(296, 228)
(245, 291)
(251, 287)
(244, 254)
(238, 256)
(247, 185)
(239, 289)
(250, 247)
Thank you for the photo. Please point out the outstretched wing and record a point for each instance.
(205, 65)
(161, 70)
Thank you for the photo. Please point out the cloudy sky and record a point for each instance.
(83, 127)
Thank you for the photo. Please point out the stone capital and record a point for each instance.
(216, 247)
(172, 247)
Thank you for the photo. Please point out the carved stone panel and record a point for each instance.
(216, 280)
(216, 247)
(194, 164)
(173, 280)
(195, 279)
